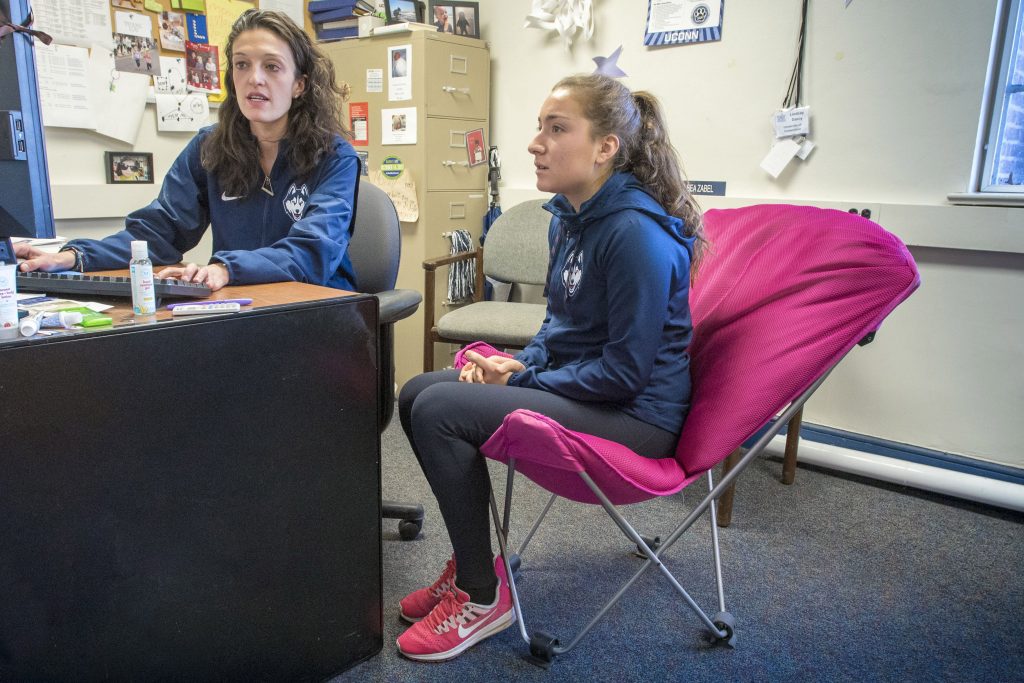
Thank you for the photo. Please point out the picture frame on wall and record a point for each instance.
(129, 167)
(401, 11)
(456, 18)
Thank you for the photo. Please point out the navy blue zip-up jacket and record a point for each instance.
(300, 233)
(618, 322)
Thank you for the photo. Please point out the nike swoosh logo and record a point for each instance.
(463, 631)
(225, 198)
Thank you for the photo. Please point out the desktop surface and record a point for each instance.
(194, 499)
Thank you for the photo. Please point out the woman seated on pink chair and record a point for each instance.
(610, 358)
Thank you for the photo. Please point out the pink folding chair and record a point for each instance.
(784, 294)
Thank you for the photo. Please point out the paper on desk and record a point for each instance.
(83, 23)
(119, 97)
(47, 304)
(64, 93)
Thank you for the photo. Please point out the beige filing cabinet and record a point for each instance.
(451, 94)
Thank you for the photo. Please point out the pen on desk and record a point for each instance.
(195, 302)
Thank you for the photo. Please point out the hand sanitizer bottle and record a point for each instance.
(143, 294)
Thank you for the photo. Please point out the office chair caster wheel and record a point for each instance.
(542, 649)
(725, 622)
(409, 529)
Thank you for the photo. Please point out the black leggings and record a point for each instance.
(447, 421)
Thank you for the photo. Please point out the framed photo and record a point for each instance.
(457, 18)
(399, 11)
(475, 147)
(129, 167)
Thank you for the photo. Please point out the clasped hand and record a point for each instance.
(490, 370)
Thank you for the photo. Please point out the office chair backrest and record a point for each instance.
(783, 294)
(516, 249)
(376, 244)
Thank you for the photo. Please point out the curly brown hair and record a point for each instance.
(645, 150)
(231, 151)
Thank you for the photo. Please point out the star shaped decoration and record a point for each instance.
(607, 65)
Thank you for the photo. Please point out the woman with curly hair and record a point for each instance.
(274, 178)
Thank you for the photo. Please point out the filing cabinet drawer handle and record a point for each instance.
(452, 89)
(448, 163)
(456, 211)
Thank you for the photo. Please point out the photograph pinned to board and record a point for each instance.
(136, 5)
(135, 54)
(129, 167)
(400, 71)
(683, 22)
(475, 147)
(398, 126)
(401, 11)
(203, 67)
(172, 31)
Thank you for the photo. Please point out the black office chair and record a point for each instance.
(375, 251)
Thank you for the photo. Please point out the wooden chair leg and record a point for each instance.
(724, 507)
(792, 443)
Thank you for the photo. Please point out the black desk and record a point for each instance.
(196, 499)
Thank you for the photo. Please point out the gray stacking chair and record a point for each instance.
(375, 250)
(515, 252)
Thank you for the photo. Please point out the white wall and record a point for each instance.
(894, 90)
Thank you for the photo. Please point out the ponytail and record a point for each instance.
(644, 147)
(655, 163)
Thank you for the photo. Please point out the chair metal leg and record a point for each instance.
(536, 524)
(502, 534)
(792, 443)
(714, 546)
(725, 502)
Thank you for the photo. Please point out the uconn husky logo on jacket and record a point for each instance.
(572, 272)
(295, 201)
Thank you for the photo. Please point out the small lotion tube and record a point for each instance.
(64, 319)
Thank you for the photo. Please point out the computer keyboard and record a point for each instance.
(105, 285)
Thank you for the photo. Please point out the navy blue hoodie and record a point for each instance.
(618, 316)
(300, 233)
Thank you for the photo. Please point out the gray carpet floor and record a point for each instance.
(834, 578)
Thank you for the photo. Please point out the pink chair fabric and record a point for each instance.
(783, 295)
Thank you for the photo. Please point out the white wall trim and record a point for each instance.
(938, 480)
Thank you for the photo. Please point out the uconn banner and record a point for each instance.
(681, 22)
